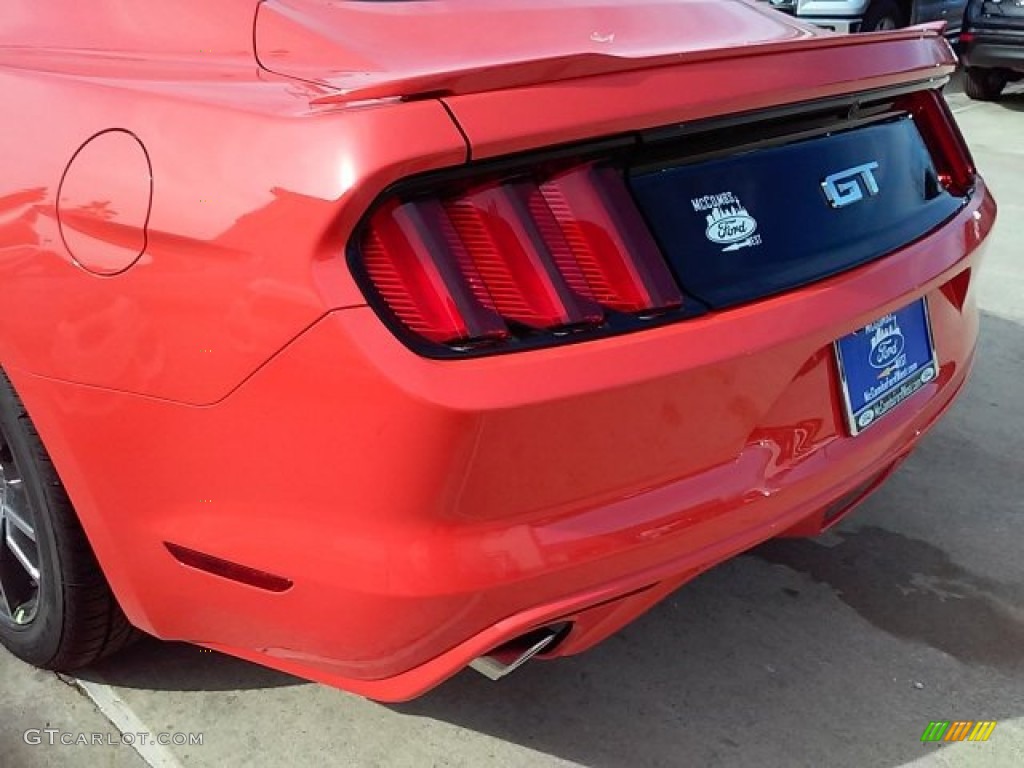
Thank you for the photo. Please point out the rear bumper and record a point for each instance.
(428, 510)
(657, 559)
(1004, 50)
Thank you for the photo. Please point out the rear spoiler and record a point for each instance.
(458, 82)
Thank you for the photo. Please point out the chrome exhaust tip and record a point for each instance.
(507, 658)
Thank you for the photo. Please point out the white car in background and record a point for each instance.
(875, 15)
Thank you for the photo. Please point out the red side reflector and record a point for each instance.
(228, 569)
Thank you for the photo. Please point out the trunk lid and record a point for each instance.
(756, 221)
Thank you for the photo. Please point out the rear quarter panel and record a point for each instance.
(253, 193)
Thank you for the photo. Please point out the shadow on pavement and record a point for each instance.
(1013, 101)
(911, 589)
(155, 665)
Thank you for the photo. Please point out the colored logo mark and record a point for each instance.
(958, 730)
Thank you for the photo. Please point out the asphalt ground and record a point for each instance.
(836, 651)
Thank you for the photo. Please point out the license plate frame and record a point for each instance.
(898, 350)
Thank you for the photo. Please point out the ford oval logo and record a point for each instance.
(886, 349)
(730, 229)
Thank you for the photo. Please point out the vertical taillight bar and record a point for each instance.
(420, 279)
(609, 240)
(943, 138)
(513, 259)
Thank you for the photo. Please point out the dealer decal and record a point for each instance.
(729, 224)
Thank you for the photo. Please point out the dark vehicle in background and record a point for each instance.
(992, 47)
(874, 15)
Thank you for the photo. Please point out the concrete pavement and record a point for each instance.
(829, 652)
(36, 701)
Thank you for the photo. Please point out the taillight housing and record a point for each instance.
(539, 254)
(949, 151)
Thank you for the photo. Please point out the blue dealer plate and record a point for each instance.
(884, 363)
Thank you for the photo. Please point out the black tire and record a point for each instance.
(984, 84)
(66, 617)
(883, 14)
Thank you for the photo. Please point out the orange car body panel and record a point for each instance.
(204, 369)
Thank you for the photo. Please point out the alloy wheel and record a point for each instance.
(19, 550)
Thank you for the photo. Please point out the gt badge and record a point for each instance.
(850, 186)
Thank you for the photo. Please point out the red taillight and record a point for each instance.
(609, 240)
(516, 256)
(429, 290)
(949, 151)
(519, 272)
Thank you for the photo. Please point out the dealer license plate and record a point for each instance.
(884, 363)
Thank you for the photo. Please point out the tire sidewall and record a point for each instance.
(879, 10)
(984, 83)
(38, 641)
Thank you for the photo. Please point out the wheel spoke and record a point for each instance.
(5, 603)
(15, 548)
(19, 554)
(15, 519)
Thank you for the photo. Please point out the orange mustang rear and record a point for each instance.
(374, 340)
